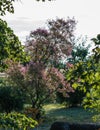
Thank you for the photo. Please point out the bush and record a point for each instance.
(35, 113)
(75, 98)
(10, 99)
(16, 121)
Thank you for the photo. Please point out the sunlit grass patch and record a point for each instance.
(58, 112)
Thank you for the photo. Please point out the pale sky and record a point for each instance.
(30, 15)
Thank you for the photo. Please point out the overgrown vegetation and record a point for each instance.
(35, 74)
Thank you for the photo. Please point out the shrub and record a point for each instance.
(75, 99)
(10, 99)
(16, 121)
(35, 113)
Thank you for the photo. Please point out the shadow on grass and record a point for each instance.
(76, 115)
(56, 112)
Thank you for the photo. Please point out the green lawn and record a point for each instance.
(57, 112)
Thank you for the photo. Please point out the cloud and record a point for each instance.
(23, 26)
(30, 15)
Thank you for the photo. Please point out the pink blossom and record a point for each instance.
(69, 65)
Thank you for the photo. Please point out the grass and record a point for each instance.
(57, 112)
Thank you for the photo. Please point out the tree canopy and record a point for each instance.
(10, 46)
(85, 76)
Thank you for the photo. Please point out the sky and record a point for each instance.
(30, 15)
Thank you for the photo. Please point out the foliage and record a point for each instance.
(96, 118)
(93, 97)
(85, 76)
(10, 46)
(40, 79)
(96, 50)
(3, 81)
(80, 50)
(75, 99)
(35, 113)
(6, 5)
(16, 121)
(80, 54)
(11, 99)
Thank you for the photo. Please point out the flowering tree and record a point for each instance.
(40, 79)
